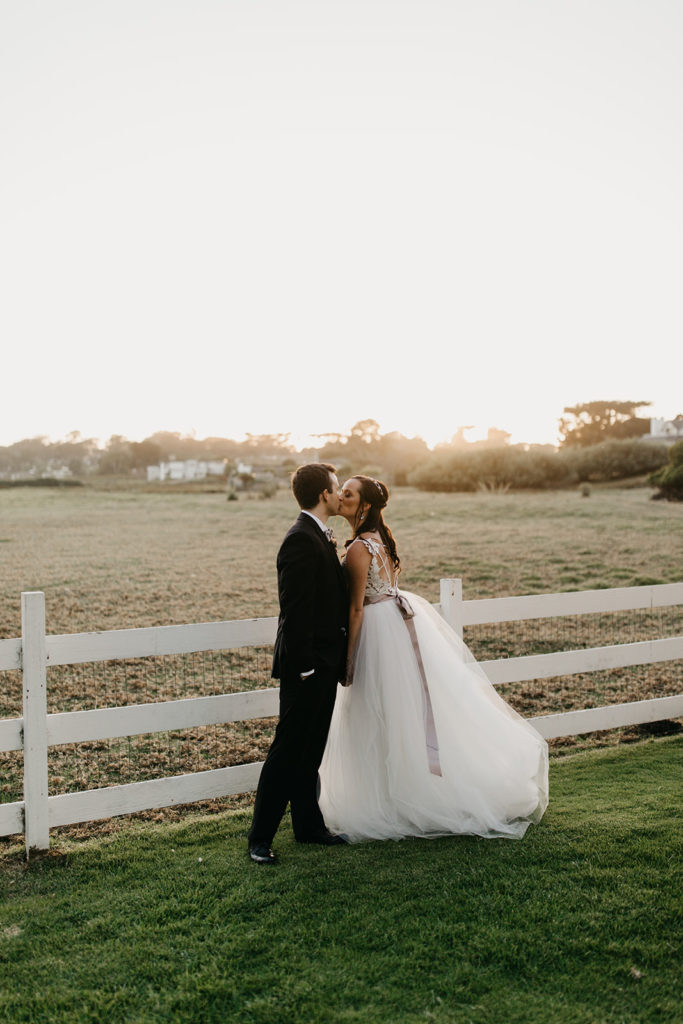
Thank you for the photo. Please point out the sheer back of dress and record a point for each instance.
(382, 576)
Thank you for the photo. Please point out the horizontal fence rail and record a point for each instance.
(78, 648)
(72, 808)
(575, 602)
(37, 730)
(10, 655)
(132, 720)
(592, 659)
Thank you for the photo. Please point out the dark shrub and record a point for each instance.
(615, 460)
(467, 469)
(43, 481)
(492, 468)
(669, 479)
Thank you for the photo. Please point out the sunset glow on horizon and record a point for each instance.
(228, 218)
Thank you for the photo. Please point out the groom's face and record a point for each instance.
(332, 497)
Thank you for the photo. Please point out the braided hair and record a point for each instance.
(375, 494)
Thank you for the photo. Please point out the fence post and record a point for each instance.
(451, 603)
(35, 721)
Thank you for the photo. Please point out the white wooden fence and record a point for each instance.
(37, 730)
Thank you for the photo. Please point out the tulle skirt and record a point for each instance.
(375, 775)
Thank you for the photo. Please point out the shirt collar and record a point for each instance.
(315, 519)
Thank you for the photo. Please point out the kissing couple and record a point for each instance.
(416, 742)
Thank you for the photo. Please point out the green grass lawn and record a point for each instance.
(171, 922)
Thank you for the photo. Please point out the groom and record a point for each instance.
(309, 659)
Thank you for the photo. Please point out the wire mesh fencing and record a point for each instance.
(11, 761)
(91, 765)
(96, 764)
(586, 689)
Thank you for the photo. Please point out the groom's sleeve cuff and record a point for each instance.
(305, 675)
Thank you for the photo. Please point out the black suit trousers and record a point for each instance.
(290, 772)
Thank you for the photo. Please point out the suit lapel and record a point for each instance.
(309, 524)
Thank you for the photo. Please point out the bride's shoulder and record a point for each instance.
(359, 551)
(369, 541)
(372, 538)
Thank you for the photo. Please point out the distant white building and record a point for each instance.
(186, 469)
(56, 471)
(665, 431)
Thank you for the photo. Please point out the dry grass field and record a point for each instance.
(109, 559)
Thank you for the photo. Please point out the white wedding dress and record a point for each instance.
(421, 744)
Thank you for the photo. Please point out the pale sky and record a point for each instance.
(232, 216)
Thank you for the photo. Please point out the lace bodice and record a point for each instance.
(381, 574)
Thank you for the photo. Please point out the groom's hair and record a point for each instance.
(309, 482)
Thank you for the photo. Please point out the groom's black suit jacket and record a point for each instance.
(314, 603)
(311, 634)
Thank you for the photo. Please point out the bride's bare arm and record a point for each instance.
(358, 560)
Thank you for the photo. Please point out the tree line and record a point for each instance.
(455, 464)
(599, 441)
(121, 457)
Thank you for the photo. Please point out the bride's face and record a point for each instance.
(350, 505)
(350, 500)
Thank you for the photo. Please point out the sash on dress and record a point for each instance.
(408, 613)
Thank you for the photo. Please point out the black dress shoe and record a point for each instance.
(261, 853)
(324, 839)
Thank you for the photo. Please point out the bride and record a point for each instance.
(420, 743)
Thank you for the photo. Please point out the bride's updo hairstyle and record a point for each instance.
(375, 494)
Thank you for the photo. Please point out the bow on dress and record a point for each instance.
(408, 613)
